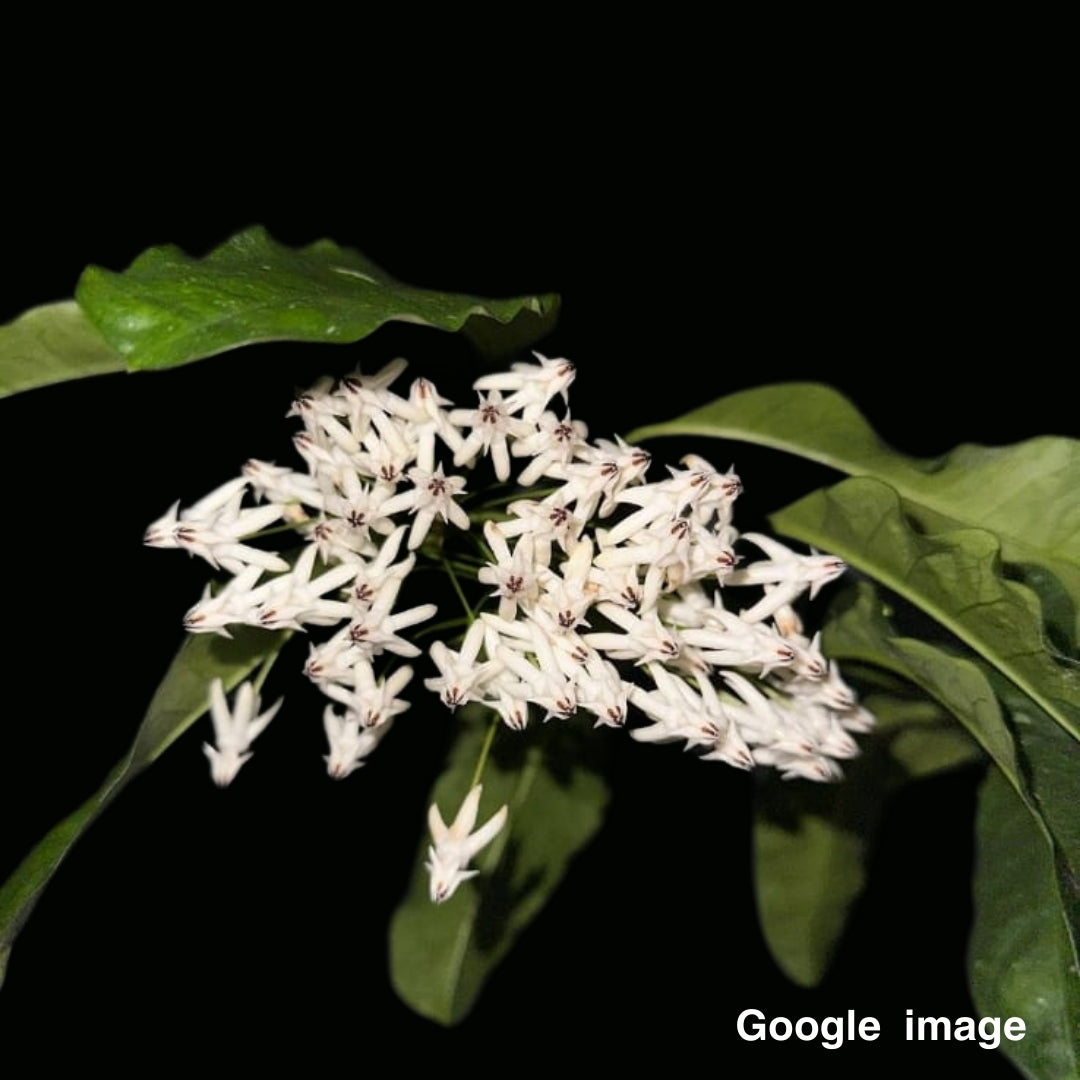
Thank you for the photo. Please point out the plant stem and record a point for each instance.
(449, 568)
(481, 761)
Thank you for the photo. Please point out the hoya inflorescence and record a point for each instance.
(603, 590)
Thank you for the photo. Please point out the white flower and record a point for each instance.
(491, 425)
(374, 632)
(788, 572)
(602, 692)
(296, 598)
(528, 651)
(513, 708)
(456, 845)
(512, 574)
(460, 675)
(700, 718)
(278, 484)
(350, 742)
(368, 394)
(212, 528)
(426, 399)
(551, 446)
(725, 640)
(432, 496)
(548, 522)
(532, 386)
(371, 703)
(566, 596)
(237, 602)
(236, 731)
(644, 638)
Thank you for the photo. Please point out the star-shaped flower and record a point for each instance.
(350, 741)
(456, 845)
(236, 731)
(432, 496)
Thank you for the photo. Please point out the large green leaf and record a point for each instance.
(51, 344)
(1038, 758)
(859, 631)
(811, 844)
(1018, 939)
(1026, 494)
(804, 892)
(168, 308)
(440, 956)
(954, 577)
(180, 699)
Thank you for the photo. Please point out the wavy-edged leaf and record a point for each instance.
(954, 577)
(440, 956)
(1025, 494)
(1018, 939)
(50, 344)
(180, 699)
(1038, 757)
(168, 308)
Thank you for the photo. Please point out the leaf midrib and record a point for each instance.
(899, 584)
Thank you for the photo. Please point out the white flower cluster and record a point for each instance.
(600, 567)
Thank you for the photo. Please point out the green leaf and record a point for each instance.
(1025, 494)
(440, 956)
(1038, 757)
(168, 309)
(859, 631)
(923, 739)
(1018, 939)
(954, 577)
(812, 843)
(50, 344)
(809, 868)
(916, 535)
(179, 701)
(1049, 763)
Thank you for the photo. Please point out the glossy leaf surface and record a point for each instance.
(1018, 939)
(168, 308)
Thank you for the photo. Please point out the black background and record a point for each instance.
(914, 267)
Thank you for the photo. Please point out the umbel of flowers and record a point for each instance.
(606, 590)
